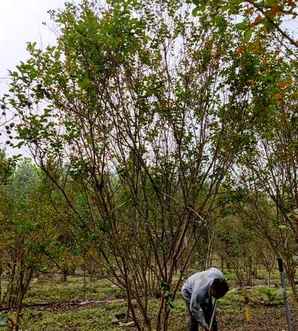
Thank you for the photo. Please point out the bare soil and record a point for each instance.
(262, 318)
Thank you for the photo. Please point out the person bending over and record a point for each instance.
(200, 292)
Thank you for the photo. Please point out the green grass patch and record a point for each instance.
(74, 289)
(83, 319)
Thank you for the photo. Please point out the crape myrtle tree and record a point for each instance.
(134, 100)
(270, 167)
(271, 164)
(262, 216)
(66, 248)
(25, 231)
(7, 166)
(33, 217)
(236, 246)
(262, 221)
(250, 234)
(265, 69)
(15, 225)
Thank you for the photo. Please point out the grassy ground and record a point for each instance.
(264, 311)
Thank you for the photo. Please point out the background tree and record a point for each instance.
(24, 230)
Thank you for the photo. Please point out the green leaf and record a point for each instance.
(247, 35)
(3, 320)
(84, 83)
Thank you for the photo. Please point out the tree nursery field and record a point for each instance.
(152, 139)
(99, 305)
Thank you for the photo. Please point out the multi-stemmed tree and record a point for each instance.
(134, 101)
(146, 107)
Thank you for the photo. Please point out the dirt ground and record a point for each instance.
(262, 319)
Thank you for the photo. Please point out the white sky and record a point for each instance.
(20, 22)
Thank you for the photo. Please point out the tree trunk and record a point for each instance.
(64, 276)
(1, 271)
(163, 316)
(269, 278)
(291, 278)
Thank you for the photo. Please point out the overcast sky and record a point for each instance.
(20, 22)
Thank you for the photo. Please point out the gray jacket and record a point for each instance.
(195, 291)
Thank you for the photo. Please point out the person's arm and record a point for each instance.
(198, 313)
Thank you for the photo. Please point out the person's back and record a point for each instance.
(199, 283)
